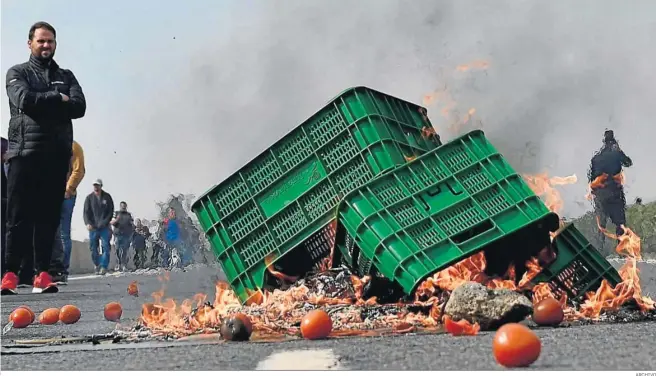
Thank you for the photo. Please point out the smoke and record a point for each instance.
(557, 74)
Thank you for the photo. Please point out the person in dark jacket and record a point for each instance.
(43, 100)
(5, 144)
(605, 179)
(141, 234)
(123, 229)
(98, 212)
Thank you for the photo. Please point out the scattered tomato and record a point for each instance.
(49, 317)
(460, 328)
(133, 289)
(246, 320)
(234, 329)
(515, 345)
(548, 312)
(113, 311)
(316, 324)
(30, 311)
(69, 314)
(21, 317)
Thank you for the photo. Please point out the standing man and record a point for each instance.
(98, 212)
(123, 228)
(141, 234)
(5, 145)
(61, 255)
(605, 179)
(43, 100)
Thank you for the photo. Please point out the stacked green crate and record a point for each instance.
(437, 210)
(287, 195)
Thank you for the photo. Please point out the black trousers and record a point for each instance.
(35, 192)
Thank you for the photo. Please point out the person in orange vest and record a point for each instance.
(61, 254)
(605, 179)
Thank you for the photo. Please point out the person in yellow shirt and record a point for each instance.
(61, 255)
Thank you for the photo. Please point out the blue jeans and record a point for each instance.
(100, 237)
(122, 249)
(65, 223)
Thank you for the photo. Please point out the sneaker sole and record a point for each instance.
(9, 292)
(47, 290)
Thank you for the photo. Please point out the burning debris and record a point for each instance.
(461, 292)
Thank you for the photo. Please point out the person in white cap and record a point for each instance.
(98, 213)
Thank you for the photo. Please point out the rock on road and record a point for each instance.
(589, 347)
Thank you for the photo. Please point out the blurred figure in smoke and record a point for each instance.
(141, 234)
(160, 255)
(123, 229)
(174, 238)
(605, 179)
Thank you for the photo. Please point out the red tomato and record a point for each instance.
(21, 317)
(316, 324)
(515, 345)
(548, 312)
(69, 314)
(49, 317)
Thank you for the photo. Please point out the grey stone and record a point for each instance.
(490, 308)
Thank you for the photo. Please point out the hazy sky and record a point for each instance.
(180, 94)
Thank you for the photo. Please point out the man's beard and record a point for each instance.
(48, 58)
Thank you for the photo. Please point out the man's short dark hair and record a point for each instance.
(123, 202)
(42, 25)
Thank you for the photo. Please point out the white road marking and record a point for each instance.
(301, 360)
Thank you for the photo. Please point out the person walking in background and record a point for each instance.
(98, 212)
(173, 237)
(605, 179)
(141, 234)
(43, 101)
(61, 255)
(123, 229)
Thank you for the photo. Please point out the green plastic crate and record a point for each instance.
(437, 210)
(290, 191)
(578, 267)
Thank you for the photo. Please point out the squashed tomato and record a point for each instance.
(548, 312)
(316, 324)
(515, 345)
(460, 328)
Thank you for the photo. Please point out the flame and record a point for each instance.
(477, 64)
(544, 186)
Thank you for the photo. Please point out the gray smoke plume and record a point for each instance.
(545, 78)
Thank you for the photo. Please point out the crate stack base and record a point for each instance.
(578, 268)
(442, 207)
(281, 200)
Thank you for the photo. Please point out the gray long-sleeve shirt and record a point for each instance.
(98, 210)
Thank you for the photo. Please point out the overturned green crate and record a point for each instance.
(578, 267)
(284, 198)
(437, 210)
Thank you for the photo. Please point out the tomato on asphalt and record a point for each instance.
(515, 345)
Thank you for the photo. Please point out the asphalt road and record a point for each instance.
(627, 346)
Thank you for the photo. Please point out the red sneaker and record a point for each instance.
(10, 284)
(43, 284)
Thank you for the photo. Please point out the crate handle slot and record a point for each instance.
(436, 190)
(473, 232)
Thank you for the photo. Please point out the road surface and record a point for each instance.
(627, 346)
